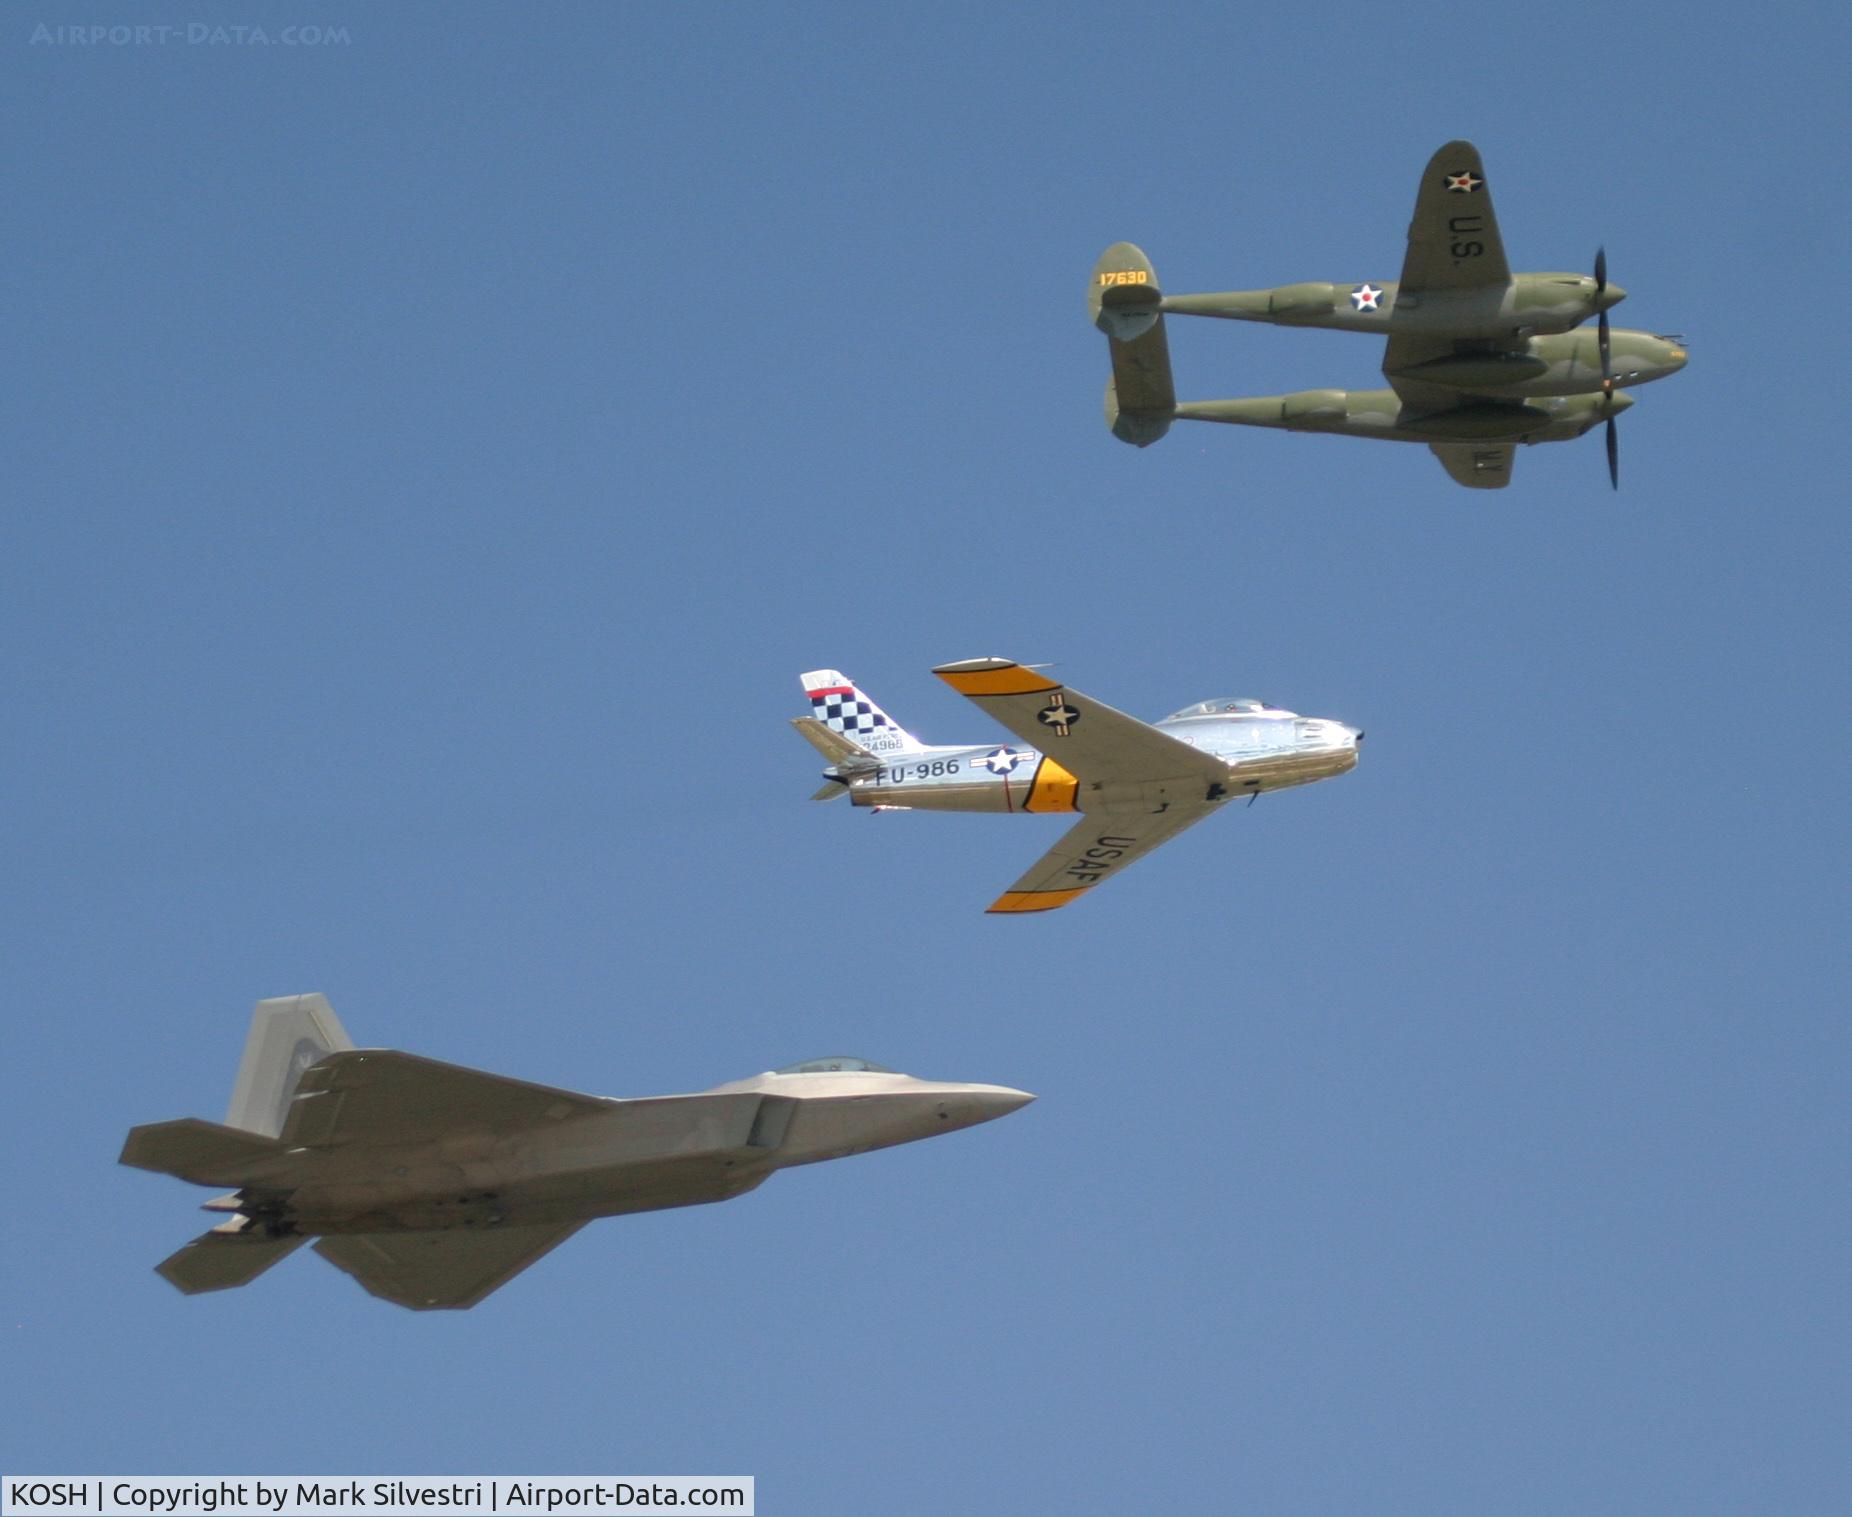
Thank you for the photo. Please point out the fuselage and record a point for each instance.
(627, 1156)
(1264, 749)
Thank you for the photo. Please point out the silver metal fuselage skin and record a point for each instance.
(1268, 750)
(637, 1155)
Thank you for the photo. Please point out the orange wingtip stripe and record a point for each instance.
(1034, 900)
(1014, 680)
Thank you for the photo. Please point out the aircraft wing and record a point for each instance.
(1093, 742)
(1477, 465)
(377, 1095)
(430, 1270)
(1099, 845)
(1453, 242)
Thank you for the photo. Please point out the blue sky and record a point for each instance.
(433, 457)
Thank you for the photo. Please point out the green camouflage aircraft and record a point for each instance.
(1478, 360)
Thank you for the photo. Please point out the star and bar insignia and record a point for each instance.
(1464, 184)
(1057, 714)
(1002, 760)
(1365, 297)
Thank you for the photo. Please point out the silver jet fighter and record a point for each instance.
(433, 1185)
(1138, 784)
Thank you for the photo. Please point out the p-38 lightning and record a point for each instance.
(1137, 784)
(433, 1185)
(1478, 359)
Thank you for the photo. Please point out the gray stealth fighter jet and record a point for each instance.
(433, 1185)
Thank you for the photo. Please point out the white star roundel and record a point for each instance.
(1002, 760)
(1464, 184)
(1365, 297)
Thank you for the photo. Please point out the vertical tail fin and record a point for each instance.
(847, 711)
(287, 1035)
(1126, 304)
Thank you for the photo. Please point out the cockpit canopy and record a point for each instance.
(1227, 706)
(838, 1065)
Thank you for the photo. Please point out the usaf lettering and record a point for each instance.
(1092, 865)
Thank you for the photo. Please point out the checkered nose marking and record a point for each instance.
(847, 711)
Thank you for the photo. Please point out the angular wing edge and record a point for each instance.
(382, 1095)
(437, 1271)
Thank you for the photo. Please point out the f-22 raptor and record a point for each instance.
(433, 1185)
(1478, 359)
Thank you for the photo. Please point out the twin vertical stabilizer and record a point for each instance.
(1126, 304)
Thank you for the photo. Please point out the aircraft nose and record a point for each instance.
(981, 1103)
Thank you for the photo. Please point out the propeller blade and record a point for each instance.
(1607, 366)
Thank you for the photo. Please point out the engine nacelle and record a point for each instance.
(1478, 371)
(1291, 300)
(1313, 405)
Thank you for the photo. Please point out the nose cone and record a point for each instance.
(1609, 298)
(1672, 356)
(898, 1109)
(968, 1105)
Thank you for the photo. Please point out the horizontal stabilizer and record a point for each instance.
(221, 1259)
(203, 1152)
(847, 757)
(835, 747)
(1125, 303)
